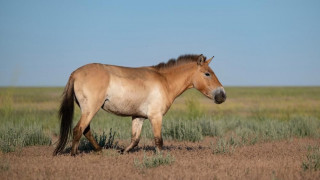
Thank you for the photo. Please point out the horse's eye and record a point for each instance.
(207, 74)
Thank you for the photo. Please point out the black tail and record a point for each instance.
(66, 115)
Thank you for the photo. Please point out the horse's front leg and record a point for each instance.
(136, 131)
(156, 122)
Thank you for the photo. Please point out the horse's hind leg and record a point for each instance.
(87, 113)
(136, 131)
(87, 133)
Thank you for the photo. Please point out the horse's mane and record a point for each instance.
(181, 60)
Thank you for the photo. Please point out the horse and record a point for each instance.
(142, 93)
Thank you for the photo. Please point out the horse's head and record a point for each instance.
(206, 81)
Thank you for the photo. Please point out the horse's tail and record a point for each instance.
(66, 115)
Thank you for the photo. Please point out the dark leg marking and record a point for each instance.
(158, 142)
(86, 130)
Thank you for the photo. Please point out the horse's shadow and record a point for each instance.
(144, 148)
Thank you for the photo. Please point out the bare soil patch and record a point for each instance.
(271, 160)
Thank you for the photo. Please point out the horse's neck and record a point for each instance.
(179, 79)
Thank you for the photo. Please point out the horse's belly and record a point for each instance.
(126, 97)
(124, 107)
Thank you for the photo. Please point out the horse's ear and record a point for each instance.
(209, 60)
(200, 60)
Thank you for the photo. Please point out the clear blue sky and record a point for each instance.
(255, 43)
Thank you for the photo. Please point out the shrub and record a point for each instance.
(222, 146)
(85, 145)
(182, 131)
(154, 161)
(14, 137)
(313, 159)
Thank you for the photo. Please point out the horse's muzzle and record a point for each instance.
(219, 95)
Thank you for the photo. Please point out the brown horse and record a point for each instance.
(143, 93)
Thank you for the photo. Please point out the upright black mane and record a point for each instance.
(181, 60)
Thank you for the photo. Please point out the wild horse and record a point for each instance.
(143, 93)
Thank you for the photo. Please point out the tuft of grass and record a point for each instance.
(85, 145)
(304, 127)
(222, 146)
(36, 137)
(16, 137)
(313, 159)
(110, 153)
(182, 131)
(155, 160)
(4, 165)
(210, 127)
(110, 143)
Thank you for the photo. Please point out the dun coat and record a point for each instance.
(143, 93)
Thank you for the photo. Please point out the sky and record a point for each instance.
(255, 43)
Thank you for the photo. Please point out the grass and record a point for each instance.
(222, 146)
(182, 131)
(16, 137)
(313, 159)
(28, 116)
(4, 165)
(103, 140)
(110, 153)
(154, 160)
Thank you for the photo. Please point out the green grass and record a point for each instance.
(15, 137)
(312, 161)
(222, 146)
(28, 116)
(154, 160)
(182, 130)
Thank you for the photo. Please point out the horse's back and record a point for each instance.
(96, 74)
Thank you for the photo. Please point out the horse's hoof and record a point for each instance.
(98, 149)
(122, 151)
(74, 154)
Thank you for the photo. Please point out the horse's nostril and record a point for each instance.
(220, 97)
(224, 96)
